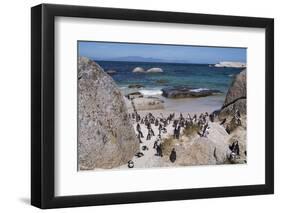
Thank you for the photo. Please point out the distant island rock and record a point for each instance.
(151, 70)
(154, 69)
(187, 92)
(138, 69)
(106, 136)
(231, 64)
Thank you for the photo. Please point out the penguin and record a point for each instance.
(159, 151)
(152, 132)
(148, 137)
(138, 127)
(224, 120)
(211, 117)
(173, 155)
(139, 154)
(144, 148)
(155, 144)
(130, 164)
(227, 129)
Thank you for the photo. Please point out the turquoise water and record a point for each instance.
(192, 75)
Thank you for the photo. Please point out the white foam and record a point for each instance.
(147, 92)
(198, 90)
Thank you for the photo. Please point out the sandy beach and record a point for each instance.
(186, 105)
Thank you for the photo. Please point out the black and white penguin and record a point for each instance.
(173, 155)
(130, 164)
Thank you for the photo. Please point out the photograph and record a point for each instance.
(144, 106)
(133, 105)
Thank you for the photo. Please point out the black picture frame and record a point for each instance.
(43, 102)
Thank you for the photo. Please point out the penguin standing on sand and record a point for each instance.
(173, 155)
(155, 144)
(223, 121)
(140, 135)
(156, 122)
(148, 137)
(178, 132)
(159, 150)
(175, 132)
(130, 164)
(212, 117)
(152, 132)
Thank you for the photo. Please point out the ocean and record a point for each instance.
(193, 75)
(200, 76)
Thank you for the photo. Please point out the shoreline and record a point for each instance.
(185, 105)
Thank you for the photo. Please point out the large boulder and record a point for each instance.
(238, 88)
(229, 110)
(187, 92)
(199, 152)
(106, 138)
(161, 81)
(236, 97)
(202, 151)
(196, 150)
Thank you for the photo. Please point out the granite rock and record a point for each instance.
(106, 138)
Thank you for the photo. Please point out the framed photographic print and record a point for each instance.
(140, 106)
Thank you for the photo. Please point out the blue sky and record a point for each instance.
(160, 53)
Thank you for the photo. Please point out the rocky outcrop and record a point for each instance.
(134, 95)
(236, 97)
(106, 138)
(206, 151)
(187, 92)
(137, 86)
(200, 152)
